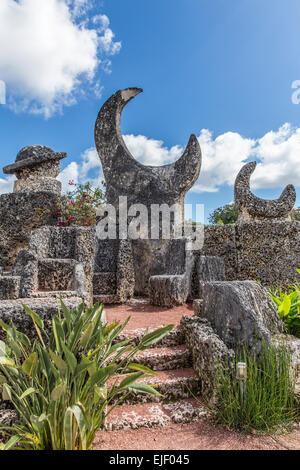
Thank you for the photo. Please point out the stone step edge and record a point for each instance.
(172, 385)
(165, 358)
(174, 338)
(151, 415)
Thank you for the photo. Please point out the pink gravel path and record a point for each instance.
(202, 435)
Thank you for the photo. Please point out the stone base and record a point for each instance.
(12, 310)
(19, 214)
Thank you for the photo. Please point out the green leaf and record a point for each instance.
(4, 326)
(2, 349)
(7, 362)
(59, 362)
(85, 338)
(101, 392)
(285, 306)
(144, 388)
(6, 392)
(74, 412)
(11, 443)
(141, 368)
(27, 392)
(58, 392)
(29, 363)
(101, 375)
(58, 333)
(70, 358)
(152, 338)
(130, 380)
(35, 317)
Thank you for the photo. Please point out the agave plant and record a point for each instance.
(64, 384)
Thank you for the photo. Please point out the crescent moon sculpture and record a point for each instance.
(252, 207)
(125, 176)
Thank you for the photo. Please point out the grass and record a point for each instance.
(265, 400)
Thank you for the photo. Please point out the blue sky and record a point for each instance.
(221, 69)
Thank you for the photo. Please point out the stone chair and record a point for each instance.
(58, 263)
(113, 279)
(173, 287)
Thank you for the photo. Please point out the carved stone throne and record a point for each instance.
(58, 263)
(173, 287)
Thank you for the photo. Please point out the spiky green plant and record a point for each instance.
(265, 400)
(65, 383)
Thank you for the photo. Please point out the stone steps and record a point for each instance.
(151, 415)
(175, 380)
(158, 359)
(173, 339)
(173, 385)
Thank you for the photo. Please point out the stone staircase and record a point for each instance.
(174, 379)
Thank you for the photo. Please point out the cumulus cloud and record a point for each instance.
(50, 53)
(88, 169)
(277, 154)
(150, 151)
(7, 184)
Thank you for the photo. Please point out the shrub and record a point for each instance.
(225, 215)
(64, 385)
(267, 398)
(288, 305)
(78, 207)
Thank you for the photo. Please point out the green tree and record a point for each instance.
(295, 214)
(224, 215)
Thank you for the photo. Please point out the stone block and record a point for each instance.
(9, 287)
(240, 312)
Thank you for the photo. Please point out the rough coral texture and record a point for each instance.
(211, 268)
(19, 214)
(9, 287)
(267, 250)
(174, 384)
(113, 278)
(240, 312)
(220, 240)
(173, 287)
(252, 207)
(151, 415)
(198, 307)
(65, 258)
(12, 310)
(209, 353)
(142, 184)
(177, 357)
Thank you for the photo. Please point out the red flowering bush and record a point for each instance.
(78, 206)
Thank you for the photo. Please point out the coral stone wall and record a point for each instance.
(268, 251)
(18, 216)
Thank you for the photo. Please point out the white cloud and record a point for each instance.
(279, 156)
(222, 158)
(6, 184)
(48, 54)
(277, 153)
(88, 169)
(150, 151)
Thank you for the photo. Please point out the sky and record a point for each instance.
(226, 70)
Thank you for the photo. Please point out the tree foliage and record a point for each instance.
(224, 215)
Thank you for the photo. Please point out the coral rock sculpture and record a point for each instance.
(252, 207)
